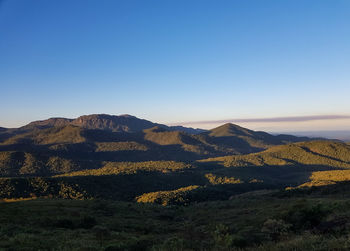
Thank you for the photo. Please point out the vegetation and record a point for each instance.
(165, 198)
(266, 222)
(53, 135)
(104, 182)
(120, 146)
(324, 178)
(13, 163)
(215, 180)
(111, 168)
(321, 153)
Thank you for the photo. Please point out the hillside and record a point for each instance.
(278, 167)
(52, 135)
(96, 157)
(321, 153)
(312, 163)
(252, 222)
(121, 123)
(234, 136)
(88, 141)
(42, 124)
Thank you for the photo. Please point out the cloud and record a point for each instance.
(268, 120)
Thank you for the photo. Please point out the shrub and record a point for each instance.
(87, 222)
(303, 216)
(171, 244)
(275, 228)
(222, 238)
(177, 197)
(101, 233)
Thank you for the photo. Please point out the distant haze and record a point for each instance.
(341, 135)
(324, 123)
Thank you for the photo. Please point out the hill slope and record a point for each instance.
(326, 153)
(121, 123)
(88, 141)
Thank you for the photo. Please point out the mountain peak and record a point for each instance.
(122, 123)
(230, 129)
(115, 123)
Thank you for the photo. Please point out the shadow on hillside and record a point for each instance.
(234, 142)
(287, 175)
(339, 189)
(117, 187)
(324, 156)
(154, 151)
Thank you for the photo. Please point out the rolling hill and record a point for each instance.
(243, 140)
(158, 164)
(322, 153)
(301, 164)
(88, 141)
(115, 157)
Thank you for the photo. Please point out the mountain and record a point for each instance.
(60, 145)
(243, 140)
(317, 153)
(122, 123)
(232, 130)
(126, 158)
(229, 129)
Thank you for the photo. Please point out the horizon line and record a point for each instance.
(266, 120)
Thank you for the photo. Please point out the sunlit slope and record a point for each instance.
(54, 135)
(115, 168)
(324, 178)
(59, 145)
(323, 153)
(242, 140)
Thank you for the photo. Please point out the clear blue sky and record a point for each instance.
(173, 60)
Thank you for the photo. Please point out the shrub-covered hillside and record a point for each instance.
(275, 221)
(60, 145)
(321, 153)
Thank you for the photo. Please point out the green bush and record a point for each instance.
(222, 238)
(275, 228)
(304, 216)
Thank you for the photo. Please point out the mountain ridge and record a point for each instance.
(115, 123)
(89, 140)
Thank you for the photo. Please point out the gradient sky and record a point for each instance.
(173, 61)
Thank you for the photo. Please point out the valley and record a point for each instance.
(103, 166)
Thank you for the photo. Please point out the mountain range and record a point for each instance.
(121, 123)
(131, 159)
(60, 145)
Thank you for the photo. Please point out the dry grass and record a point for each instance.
(324, 178)
(113, 168)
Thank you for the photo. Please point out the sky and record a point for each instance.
(190, 62)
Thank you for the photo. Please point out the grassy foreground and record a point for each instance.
(307, 219)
